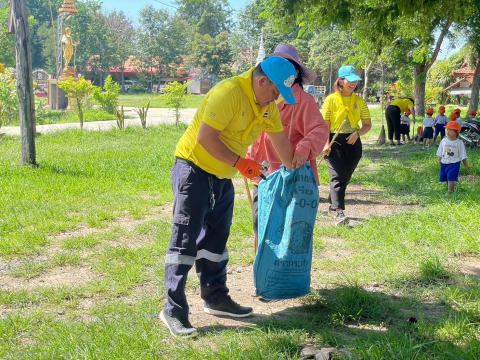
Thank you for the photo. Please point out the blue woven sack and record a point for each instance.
(287, 208)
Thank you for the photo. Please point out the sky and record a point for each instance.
(133, 7)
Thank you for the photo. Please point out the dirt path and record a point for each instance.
(361, 203)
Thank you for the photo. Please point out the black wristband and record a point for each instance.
(235, 163)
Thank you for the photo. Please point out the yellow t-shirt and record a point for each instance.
(402, 103)
(330, 110)
(230, 107)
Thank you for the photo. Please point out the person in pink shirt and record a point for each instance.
(303, 123)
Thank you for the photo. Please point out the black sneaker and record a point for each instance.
(176, 326)
(340, 218)
(228, 307)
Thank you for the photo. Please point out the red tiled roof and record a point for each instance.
(134, 66)
(464, 72)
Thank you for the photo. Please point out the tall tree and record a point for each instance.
(206, 16)
(246, 36)
(329, 48)
(24, 80)
(473, 34)
(7, 41)
(94, 51)
(122, 33)
(212, 54)
(43, 14)
(417, 29)
(161, 40)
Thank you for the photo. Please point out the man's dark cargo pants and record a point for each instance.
(202, 216)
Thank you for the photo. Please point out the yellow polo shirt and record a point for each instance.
(402, 103)
(230, 107)
(330, 110)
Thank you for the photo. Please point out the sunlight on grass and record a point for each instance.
(100, 202)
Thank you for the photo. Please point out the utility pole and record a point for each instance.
(18, 24)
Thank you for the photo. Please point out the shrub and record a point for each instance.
(175, 94)
(80, 90)
(108, 97)
(120, 115)
(8, 97)
(142, 114)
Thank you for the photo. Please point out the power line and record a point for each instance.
(165, 4)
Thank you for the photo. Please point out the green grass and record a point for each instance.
(157, 101)
(45, 117)
(61, 116)
(399, 267)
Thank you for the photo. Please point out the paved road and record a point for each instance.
(155, 116)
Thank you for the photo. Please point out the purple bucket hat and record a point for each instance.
(289, 52)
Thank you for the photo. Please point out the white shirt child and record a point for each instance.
(451, 151)
(405, 120)
(428, 122)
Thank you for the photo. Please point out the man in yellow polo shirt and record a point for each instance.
(208, 155)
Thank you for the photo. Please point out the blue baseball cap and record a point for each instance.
(349, 72)
(282, 74)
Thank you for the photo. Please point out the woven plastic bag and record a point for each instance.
(287, 208)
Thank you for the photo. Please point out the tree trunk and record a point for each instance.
(24, 81)
(365, 83)
(475, 86)
(420, 72)
(123, 79)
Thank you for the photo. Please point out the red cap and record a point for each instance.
(454, 126)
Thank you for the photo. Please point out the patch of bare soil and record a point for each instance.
(360, 204)
(242, 290)
(56, 277)
(125, 222)
(334, 249)
(470, 266)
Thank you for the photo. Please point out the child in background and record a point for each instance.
(454, 117)
(428, 124)
(458, 112)
(440, 122)
(419, 136)
(405, 125)
(451, 152)
(472, 115)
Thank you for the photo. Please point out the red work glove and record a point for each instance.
(248, 168)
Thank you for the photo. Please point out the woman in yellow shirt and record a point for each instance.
(347, 115)
(393, 113)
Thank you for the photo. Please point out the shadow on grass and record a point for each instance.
(371, 323)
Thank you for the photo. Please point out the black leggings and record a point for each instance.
(393, 114)
(342, 162)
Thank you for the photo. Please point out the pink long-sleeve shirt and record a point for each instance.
(305, 128)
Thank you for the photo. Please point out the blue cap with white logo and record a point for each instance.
(282, 74)
(349, 72)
